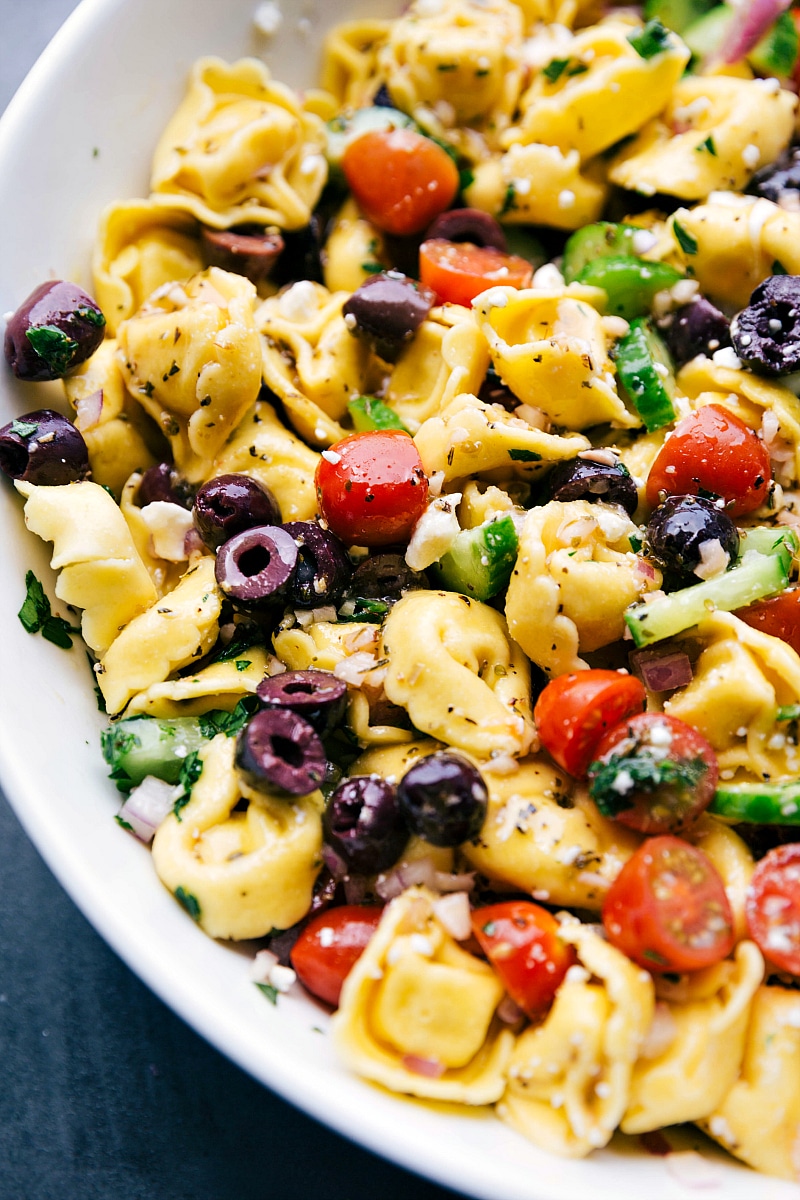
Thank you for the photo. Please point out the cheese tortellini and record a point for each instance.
(537, 184)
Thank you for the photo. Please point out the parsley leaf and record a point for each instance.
(53, 346)
(687, 243)
(191, 770)
(650, 40)
(615, 782)
(37, 617)
(244, 637)
(24, 429)
(509, 201)
(243, 663)
(269, 991)
(92, 315)
(524, 456)
(57, 631)
(229, 723)
(189, 902)
(708, 145)
(555, 69)
(361, 608)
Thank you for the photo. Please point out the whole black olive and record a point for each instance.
(766, 334)
(163, 482)
(586, 479)
(255, 568)
(468, 225)
(317, 696)
(43, 447)
(278, 750)
(444, 799)
(323, 568)
(678, 531)
(696, 328)
(387, 310)
(778, 177)
(229, 504)
(248, 251)
(55, 329)
(364, 824)
(385, 577)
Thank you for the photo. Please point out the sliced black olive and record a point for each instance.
(229, 504)
(317, 696)
(364, 824)
(444, 799)
(43, 447)
(468, 225)
(778, 177)
(163, 482)
(494, 391)
(248, 251)
(766, 334)
(302, 253)
(385, 577)
(585, 479)
(255, 568)
(55, 329)
(323, 568)
(696, 328)
(278, 750)
(679, 529)
(387, 310)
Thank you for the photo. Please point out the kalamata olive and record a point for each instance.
(494, 391)
(364, 824)
(385, 577)
(696, 328)
(468, 225)
(163, 482)
(382, 99)
(279, 750)
(323, 568)
(387, 310)
(317, 696)
(587, 479)
(444, 799)
(255, 568)
(248, 251)
(302, 253)
(43, 447)
(229, 504)
(766, 334)
(55, 329)
(687, 532)
(778, 178)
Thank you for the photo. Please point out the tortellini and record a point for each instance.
(241, 874)
(241, 148)
(713, 134)
(575, 575)
(538, 185)
(219, 686)
(453, 667)
(415, 998)
(349, 67)
(550, 348)
(99, 567)
(181, 626)
(570, 1077)
(354, 250)
(192, 358)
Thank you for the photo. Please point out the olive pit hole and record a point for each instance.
(254, 560)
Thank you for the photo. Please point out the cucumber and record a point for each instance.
(645, 371)
(651, 40)
(705, 35)
(368, 413)
(344, 129)
(775, 54)
(754, 577)
(140, 746)
(601, 240)
(677, 14)
(629, 283)
(765, 540)
(757, 803)
(480, 561)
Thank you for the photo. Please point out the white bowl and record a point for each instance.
(79, 134)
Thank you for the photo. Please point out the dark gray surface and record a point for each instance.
(105, 1094)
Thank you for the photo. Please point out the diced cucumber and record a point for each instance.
(707, 33)
(758, 803)
(344, 129)
(775, 54)
(783, 541)
(368, 413)
(651, 40)
(677, 14)
(601, 240)
(754, 577)
(645, 371)
(140, 746)
(629, 283)
(480, 561)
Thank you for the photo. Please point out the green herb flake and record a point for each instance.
(643, 773)
(509, 200)
(687, 243)
(189, 902)
(778, 268)
(24, 429)
(636, 542)
(123, 824)
(524, 456)
(53, 346)
(555, 69)
(243, 639)
(191, 770)
(577, 68)
(650, 40)
(229, 723)
(707, 146)
(36, 609)
(57, 631)
(243, 663)
(447, 66)
(466, 178)
(268, 990)
(92, 315)
(372, 268)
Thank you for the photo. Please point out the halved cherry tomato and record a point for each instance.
(772, 907)
(779, 617)
(713, 450)
(329, 946)
(401, 179)
(574, 711)
(653, 773)
(521, 941)
(459, 271)
(668, 910)
(372, 488)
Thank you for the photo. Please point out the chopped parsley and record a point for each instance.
(636, 542)
(372, 268)
(509, 201)
(268, 990)
(361, 608)
(53, 346)
(36, 616)
(466, 178)
(243, 639)
(123, 824)
(243, 663)
(24, 429)
(650, 40)
(229, 723)
(708, 146)
(189, 902)
(555, 69)
(615, 782)
(92, 315)
(687, 243)
(524, 456)
(191, 770)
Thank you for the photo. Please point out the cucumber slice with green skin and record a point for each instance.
(754, 577)
(343, 130)
(140, 746)
(789, 712)
(629, 283)
(651, 40)
(757, 803)
(368, 413)
(775, 54)
(601, 240)
(677, 14)
(645, 371)
(480, 561)
(769, 541)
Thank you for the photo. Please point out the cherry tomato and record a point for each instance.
(713, 450)
(372, 489)
(574, 711)
(459, 271)
(779, 617)
(329, 945)
(668, 910)
(400, 179)
(772, 907)
(521, 941)
(653, 773)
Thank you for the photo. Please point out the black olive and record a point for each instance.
(696, 328)
(278, 750)
(229, 504)
(317, 696)
(255, 568)
(468, 225)
(162, 482)
(382, 99)
(677, 532)
(364, 824)
(385, 577)
(444, 799)
(323, 568)
(302, 253)
(586, 479)
(247, 251)
(43, 447)
(494, 391)
(766, 334)
(387, 310)
(778, 178)
(55, 329)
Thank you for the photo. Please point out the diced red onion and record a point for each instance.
(509, 1012)
(88, 411)
(405, 875)
(662, 672)
(148, 805)
(692, 1170)
(192, 542)
(336, 865)
(645, 568)
(355, 889)
(748, 25)
(431, 1068)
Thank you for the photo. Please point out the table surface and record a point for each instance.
(106, 1094)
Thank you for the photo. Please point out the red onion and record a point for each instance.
(662, 671)
(431, 1068)
(509, 1012)
(406, 875)
(148, 805)
(749, 23)
(192, 542)
(692, 1170)
(336, 865)
(655, 1143)
(644, 568)
(88, 411)
(443, 882)
(355, 889)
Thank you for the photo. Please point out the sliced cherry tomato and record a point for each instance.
(713, 450)
(521, 941)
(459, 271)
(401, 179)
(328, 947)
(574, 711)
(772, 907)
(653, 773)
(372, 489)
(668, 910)
(779, 617)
